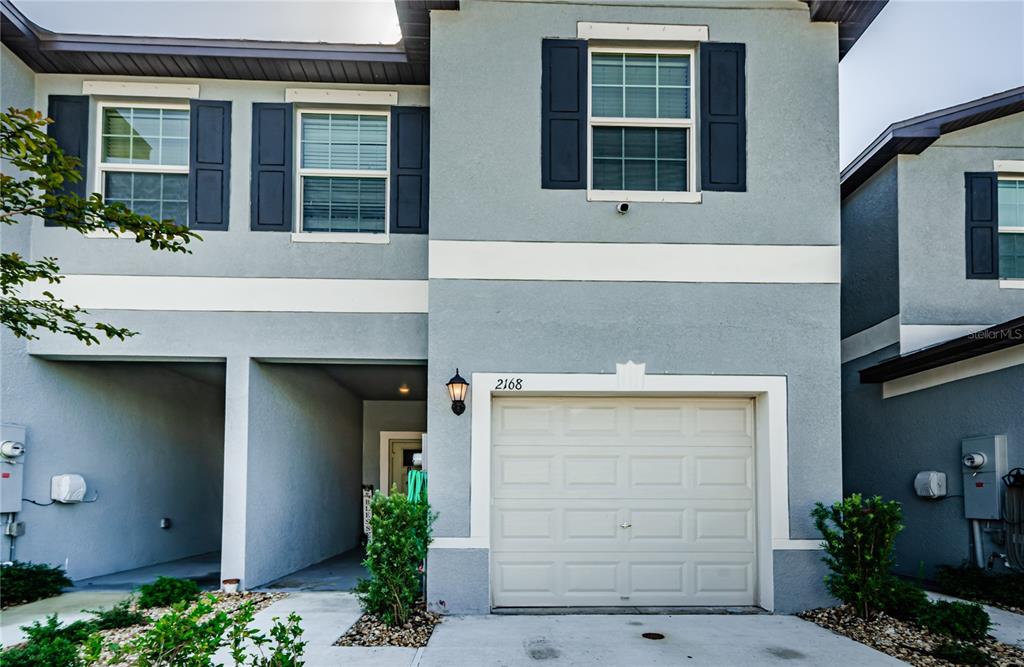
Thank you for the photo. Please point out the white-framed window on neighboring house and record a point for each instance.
(143, 151)
(343, 166)
(1011, 226)
(641, 134)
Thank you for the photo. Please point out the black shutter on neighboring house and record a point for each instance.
(982, 224)
(723, 117)
(271, 186)
(70, 130)
(209, 165)
(563, 147)
(410, 161)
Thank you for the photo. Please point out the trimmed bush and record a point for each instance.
(859, 535)
(394, 557)
(120, 615)
(904, 600)
(28, 582)
(963, 654)
(973, 583)
(167, 591)
(966, 621)
(56, 653)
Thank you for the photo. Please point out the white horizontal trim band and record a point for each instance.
(335, 96)
(633, 262)
(137, 89)
(187, 293)
(872, 339)
(960, 370)
(796, 545)
(1015, 283)
(1008, 166)
(914, 337)
(642, 31)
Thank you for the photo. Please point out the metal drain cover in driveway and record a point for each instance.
(652, 635)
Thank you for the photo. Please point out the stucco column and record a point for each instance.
(236, 465)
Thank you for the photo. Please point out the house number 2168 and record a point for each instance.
(509, 384)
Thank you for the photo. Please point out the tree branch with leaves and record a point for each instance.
(35, 188)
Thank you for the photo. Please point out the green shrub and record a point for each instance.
(287, 648)
(186, 635)
(167, 591)
(41, 634)
(120, 615)
(394, 557)
(58, 652)
(859, 536)
(27, 582)
(973, 583)
(962, 654)
(966, 621)
(902, 599)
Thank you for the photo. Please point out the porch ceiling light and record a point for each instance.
(457, 387)
(404, 389)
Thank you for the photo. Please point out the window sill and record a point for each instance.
(339, 237)
(1012, 283)
(640, 196)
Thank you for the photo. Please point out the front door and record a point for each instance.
(400, 463)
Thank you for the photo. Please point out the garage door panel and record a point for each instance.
(616, 501)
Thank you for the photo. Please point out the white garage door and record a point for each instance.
(622, 501)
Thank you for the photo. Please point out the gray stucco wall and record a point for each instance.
(304, 462)
(887, 442)
(933, 289)
(485, 164)
(147, 440)
(870, 241)
(387, 416)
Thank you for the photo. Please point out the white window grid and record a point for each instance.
(688, 195)
(1011, 229)
(301, 171)
(102, 167)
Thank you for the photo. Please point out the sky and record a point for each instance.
(916, 57)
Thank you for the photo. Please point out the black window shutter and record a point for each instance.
(70, 130)
(410, 161)
(723, 117)
(563, 146)
(271, 186)
(209, 164)
(982, 224)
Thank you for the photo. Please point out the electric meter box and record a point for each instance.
(983, 464)
(12, 469)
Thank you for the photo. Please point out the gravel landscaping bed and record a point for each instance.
(368, 631)
(227, 602)
(904, 640)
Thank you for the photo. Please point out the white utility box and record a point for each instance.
(67, 488)
(930, 484)
(12, 468)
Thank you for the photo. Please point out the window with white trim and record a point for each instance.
(641, 123)
(143, 158)
(1011, 227)
(343, 171)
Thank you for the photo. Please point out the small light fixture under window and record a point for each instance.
(457, 387)
(404, 389)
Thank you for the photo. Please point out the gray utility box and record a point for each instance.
(12, 471)
(983, 484)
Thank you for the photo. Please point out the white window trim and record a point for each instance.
(99, 167)
(689, 196)
(641, 31)
(300, 236)
(384, 472)
(1003, 168)
(184, 91)
(340, 96)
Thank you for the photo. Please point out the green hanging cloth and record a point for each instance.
(417, 483)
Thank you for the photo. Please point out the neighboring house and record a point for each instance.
(654, 400)
(933, 324)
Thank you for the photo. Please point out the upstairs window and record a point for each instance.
(343, 171)
(1011, 227)
(144, 152)
(641, 124)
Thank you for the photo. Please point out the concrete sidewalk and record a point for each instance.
(68, 607)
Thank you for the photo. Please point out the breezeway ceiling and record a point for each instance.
(380, 382)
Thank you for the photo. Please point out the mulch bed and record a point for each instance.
(369, 631)
(902, 640)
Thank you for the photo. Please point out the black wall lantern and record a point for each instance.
(457, 388)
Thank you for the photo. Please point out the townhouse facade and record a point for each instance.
(619, 224)
(932, 326)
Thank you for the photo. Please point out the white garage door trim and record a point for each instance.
(771, 444)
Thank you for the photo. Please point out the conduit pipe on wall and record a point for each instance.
(979, 553)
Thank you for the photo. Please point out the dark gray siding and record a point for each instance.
(869, 228)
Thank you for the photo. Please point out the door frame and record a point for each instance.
(771, 445)
(385, 453)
